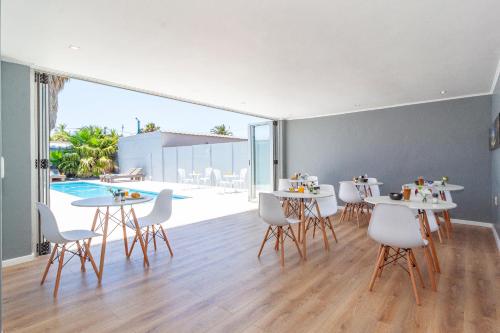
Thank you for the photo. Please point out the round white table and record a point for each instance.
(301, 198)
(104, 216)
(422, 207)
(439, 187)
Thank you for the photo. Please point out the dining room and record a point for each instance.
(370, 193)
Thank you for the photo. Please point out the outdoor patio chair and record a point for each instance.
(240, 182)
(56, 175)
(182, 177)
(207, 177)
(132, 174)
(219, 181)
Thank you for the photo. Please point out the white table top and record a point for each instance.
(108, 201)
(305, 195)
(439, 187)
(298, 180)
(413, 203)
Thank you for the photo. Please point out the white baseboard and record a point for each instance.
(481, 224)
(18, 260)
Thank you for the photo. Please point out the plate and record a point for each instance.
(130, 198)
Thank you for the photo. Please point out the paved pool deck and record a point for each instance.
(204, 203)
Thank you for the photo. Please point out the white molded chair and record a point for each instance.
(326, 208)
(219, 181)
(182, 177)
(284, 184)
(207, 177)
(144, 226)
(64, 240)
(271, 212)
(313, 179)
(242, 180)
(349, 194)
(396, 229)
(374, 189)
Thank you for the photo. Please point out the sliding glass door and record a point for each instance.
(42, 152)
(263, 163)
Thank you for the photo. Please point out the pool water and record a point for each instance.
(90, 190)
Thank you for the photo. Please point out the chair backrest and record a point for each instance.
(49, 226)
(375, 189)
(243, 174)
(328, 205)
(447, 196)
(217, 176)
(348, 192)
(395, 225)
(162, 209)
(136, 171)
(270, 209)
(284, 184)
(313, 179)
(182, 174)
(208, 172)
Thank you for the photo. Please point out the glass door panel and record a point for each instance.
(262, 146)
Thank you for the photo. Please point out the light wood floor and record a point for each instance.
(215, 283)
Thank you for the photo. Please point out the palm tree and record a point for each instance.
(150, 127)
(60, 134)
(56, 84)
(221, 130)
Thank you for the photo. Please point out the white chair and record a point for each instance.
(374, 189)
(313, 179)
(395, 227)
(219, 181)
(324, 208)
(242, 180)
(64, 241)
(182, 177)
(350, 195)
(284, 184)
(144, 226)
(271, 212)
(207, 177)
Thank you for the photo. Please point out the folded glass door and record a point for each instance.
(262, 158)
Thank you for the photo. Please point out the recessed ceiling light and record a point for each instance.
(443, 92)
(74, 47)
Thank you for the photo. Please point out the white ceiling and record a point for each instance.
(279, 59)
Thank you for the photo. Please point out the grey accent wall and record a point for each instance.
(16, 187)
(495, 159)
(398, 144)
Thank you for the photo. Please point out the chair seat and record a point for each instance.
(292, 221)
(74, 235)
(143, 222)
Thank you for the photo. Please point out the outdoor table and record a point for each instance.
(230, 178)
(302, 197)
(103, 205)
(421, 207)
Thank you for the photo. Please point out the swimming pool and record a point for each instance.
(90, 190)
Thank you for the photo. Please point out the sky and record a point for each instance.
(84, 103)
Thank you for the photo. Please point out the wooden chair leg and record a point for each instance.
(91, 258)
(295, 241)
(415, 264)
(430, 268)
(59, 269)
(154, 236)
(80, 254)
(49, 263)
(330, 224)
(147, 238)
(384, 259)
(139, 236)
(378, 263)
(282, 243)
(166, 241)
(264, 241)
(132, 246)
(412, 277)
